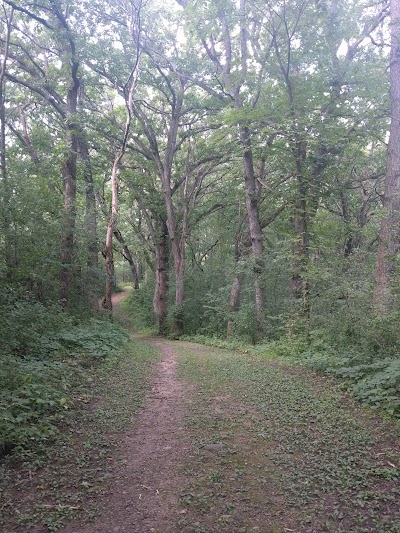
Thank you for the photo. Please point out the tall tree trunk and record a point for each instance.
(178, 254)
(236, 286)
(69, 191)
(254, 228)
(388, 240)
(5, 192)
(92, 277)
(178, 241)
(160, 299)
(111, 228)
(135, 29)
(300, 284)
(71, 64)
(179, 294)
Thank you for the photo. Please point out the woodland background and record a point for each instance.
(237, 161)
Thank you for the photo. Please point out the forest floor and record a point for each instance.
(187, 438)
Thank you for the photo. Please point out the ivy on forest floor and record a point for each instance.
(61, 480)
(375, 381)
(334, 467)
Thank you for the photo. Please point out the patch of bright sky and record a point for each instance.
(342, 50)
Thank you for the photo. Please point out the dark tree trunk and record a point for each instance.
(236, 287)
(177, 238)
(71, 64)
(69, 190)
(92, 277)
(300, 284)
(255, 230)
(160, 299)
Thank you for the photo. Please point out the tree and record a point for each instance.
(388, 240)
(223, 33)
(62, 96)
(3, 160)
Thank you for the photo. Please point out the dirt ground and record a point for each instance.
(224, 443)
(143, 492)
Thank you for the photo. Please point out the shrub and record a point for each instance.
(44, 352)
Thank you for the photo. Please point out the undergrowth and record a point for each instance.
(303, 455)
(51, 484)
(46, 357)
(217, 342)
(372, 378)
(137, 310)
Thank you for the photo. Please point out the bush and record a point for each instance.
(139, 309)
(374, 382)
(44, 353)
(33, 392)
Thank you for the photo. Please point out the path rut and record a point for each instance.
(143, 495)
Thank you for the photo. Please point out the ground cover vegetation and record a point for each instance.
(239, 161)
(275, 468)
(64, 467)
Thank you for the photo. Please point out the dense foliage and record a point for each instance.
(45, 362)
(230, 158)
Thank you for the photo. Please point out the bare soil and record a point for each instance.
(143, 493)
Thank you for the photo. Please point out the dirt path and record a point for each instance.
(143, 494)
(223, 443)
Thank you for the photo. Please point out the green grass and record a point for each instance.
(334, 467)
(371, 378)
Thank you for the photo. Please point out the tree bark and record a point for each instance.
(69, 190)
(178, 241)
(71, 65)
(134, 25)
(254, 229)
(92, 277)
(388, 239)
(111, 228)
(300, 284)
(160, 299)
(236, 287)
(5, 199)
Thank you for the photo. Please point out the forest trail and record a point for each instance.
(143, 493)
(221, 442)
(145, 485)
(228, 443)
